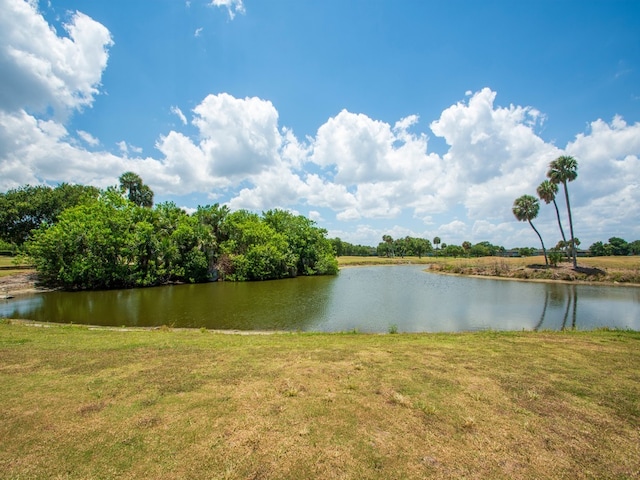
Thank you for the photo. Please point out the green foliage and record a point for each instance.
(407, 246)
(486, 249)
(526, 251)
(7, 248)
(85, 248)
(342, 248)
(309, 252)
(26, 208)
(452, 251)
(616, 246)
(555, 257)
(526, 208)
(137, 192)
(112, 241)
(99, 245)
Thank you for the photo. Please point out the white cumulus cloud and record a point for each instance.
(41, 69)
(233, 6)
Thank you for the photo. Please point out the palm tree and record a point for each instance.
(436, 242)
(138, 192)
(526, 208)
(547, 191)
(388, 239)
(562, 170)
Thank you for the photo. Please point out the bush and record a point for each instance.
(555, 257)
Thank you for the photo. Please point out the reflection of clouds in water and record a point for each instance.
(369, 299)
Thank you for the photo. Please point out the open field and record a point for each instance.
(171, 404)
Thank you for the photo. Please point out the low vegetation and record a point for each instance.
(85, 403)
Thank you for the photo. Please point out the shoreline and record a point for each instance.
(595, 283)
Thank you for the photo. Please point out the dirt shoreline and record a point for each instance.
(22, 283)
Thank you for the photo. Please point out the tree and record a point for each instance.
(453, 251)
(526, 208)
(311, 251)
(420, 246)
(401, 245)
(86, 248)
(564, 169)
(598, 249)
(254, 249)
(24, 209)
(137, 192)
(436, 242)
(547, 191)
(388, 239)
(619, 246)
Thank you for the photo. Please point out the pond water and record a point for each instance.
(366, 299)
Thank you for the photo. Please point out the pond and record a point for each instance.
(366, 299)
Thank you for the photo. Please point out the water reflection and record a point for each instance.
(566, 295)
(369, 299)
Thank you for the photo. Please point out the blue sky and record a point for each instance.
(421, 118)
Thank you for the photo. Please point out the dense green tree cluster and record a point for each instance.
(401, 247)
(412, 246)
(112, 242)
(26, 208)
(526, 251)
(115, 238)
(615, 246)
(342, 248)
(485, 249)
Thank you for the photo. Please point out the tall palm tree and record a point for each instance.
(388, 239)
(436, 242)
(563, 170)
(526, 208)
(547, 191)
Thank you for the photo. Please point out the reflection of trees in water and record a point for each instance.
(558, 295)
(544, 311)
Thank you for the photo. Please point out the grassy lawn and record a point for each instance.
(6, 262)
(172, 404)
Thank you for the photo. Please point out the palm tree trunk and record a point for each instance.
(573, 243)
(544, 250)
(564, 239)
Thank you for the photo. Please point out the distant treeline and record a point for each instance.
(418, 247)
(83, 238)
(616, 246)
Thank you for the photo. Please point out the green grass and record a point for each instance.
(6, 264)
(125, 403)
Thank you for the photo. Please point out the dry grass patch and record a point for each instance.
(590, 269)
(350, 261)
(80, 403)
